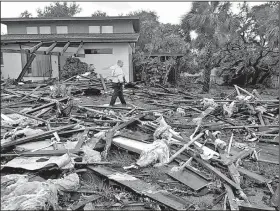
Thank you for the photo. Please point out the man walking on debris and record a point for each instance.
(118, 79)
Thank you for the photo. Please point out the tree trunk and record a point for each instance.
(206, 83)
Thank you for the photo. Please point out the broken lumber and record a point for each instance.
(25, 68)
(232, 202)
(26, 115)
(189, 178)
(46, 106)
(103, 83)
(215, 171)
(254, 175)
(39, 153)
(142, 188)
(34, 137)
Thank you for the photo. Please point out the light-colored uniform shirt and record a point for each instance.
(117, 74)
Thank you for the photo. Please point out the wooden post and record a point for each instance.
(25, 68)
(103, 83)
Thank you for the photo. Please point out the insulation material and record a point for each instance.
(220, 143)
(198, 120)
(181, 111)
(243, 99)
(17, 193)
(91, 155)
(207, 152)
(157, 151)
(228, 109)
(68, 183)
(260, 109)
(206, 102)
(10, 136)
(17, 119)
(35, 163)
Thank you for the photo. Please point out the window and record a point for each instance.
(32, 30)
(99, 51)
(107, 29)
(45, 29)
(2, 61)
(94, 29)
(61, 29)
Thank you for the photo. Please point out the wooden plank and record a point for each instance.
(231, 198)
(81, 139)
(276, 198)
(103, 83)
(25, 68)
(215, 171)
(253, 175)
(142, 188)
(64, 48)
(45, 106)
(43, 112)
(35, 48)
(43, 153)
(83, 203)
(50, 48)
(189, 179)
(26, 115)
(246, 207)
(34, 137)
(241, 155)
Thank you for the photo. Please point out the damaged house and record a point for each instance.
(37, 48)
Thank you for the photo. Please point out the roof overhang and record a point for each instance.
(86, 38)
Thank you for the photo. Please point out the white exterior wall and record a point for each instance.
(100, 61)
(12, 63)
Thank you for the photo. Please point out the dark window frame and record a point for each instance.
(2, 59)
(99, 51)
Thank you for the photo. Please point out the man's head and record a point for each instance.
(120, 63)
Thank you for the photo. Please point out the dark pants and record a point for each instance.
(118, 92)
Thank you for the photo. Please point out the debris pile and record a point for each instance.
(63, 150)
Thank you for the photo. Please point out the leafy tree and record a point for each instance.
(148, 26)
(59, 10)
(25, 14)
(99, 13)
(212, 22)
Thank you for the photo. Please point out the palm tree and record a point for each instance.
(210, 20)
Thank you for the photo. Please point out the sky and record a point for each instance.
(168, 12)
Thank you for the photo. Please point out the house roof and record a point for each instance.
(93, 38)
(135, 20)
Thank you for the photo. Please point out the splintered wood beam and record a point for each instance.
(35, 48)
(79, 48)
(26, 51)
(14, 51)
(65, 48)
(50, 48)
(25, 68)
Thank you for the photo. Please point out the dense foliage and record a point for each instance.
(59, 10)
(73, 67)
(244, 46)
